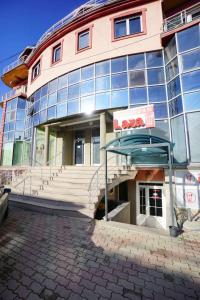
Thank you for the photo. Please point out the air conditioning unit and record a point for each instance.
(189, 18)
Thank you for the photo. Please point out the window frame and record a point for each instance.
(127, 16)
(80, 32)
(53, 49)
(33, 78)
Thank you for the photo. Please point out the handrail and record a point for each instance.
(97, 171)
(16, 63)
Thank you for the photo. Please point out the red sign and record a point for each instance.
(140, 117)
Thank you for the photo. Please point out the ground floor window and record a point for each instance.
(151, 200)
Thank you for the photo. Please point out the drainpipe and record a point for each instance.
(46, 146)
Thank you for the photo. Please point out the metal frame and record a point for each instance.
(155, 145)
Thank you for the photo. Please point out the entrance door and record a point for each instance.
(79, 151)
(151, 200)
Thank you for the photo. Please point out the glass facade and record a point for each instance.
(169, 79)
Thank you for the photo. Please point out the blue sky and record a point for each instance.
(22, 23)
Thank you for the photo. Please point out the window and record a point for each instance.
(119, 64)
(127, 25)
(155, 202)
(103, 68)
(56, 53)
(160, 110)
(154, 59)
(102, 83)
(120, 98)
(119, 81)
(192, 101)
(157, 93)
(175, 106)
(138, 96)
(36, 70)
(84, 39)
(193, 121)
(136, 78)
(178, 138)
(191, 60)
(155, 76)
(102, 101)
(142, 201)
(87, 72)
(136, 61)
(188, 39)
(191, 81)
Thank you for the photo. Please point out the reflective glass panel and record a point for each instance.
(119, 98)
(137, 78)
(53, 85)
(51, 112)
(74, 77)
(155, 76)
(36, 106)
(120, 28)
(154, 59)
(62, 81)
(14, 104)
(119, 81)
(20, 114)
(43, 116)
(172, 69)
(135, 25)
(102, 101)
(138, 96)
(192, 101)
(73, 91)
(174, 87)
(193, 120)
(191, 81)
(170, 50)
(52, 99)
(21, 103)
(61, 110)
(36, 120)
(87, 72)
(160, 110)
(191, 60)
(73, 107)
(19, 126)
(87, 87)
(178, 138)
(136, 61)
(43, 102)
(62, 95)
(175, 106)
(157, 93)
(188, 38)
(88, 104)
(103, 68)
(44, 90)
(118, 64)
(103, 83)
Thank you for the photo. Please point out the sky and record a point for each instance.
(23, 22)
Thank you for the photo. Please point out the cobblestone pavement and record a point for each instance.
(49, 257)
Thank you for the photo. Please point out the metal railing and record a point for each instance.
(15, 93)
(15, 64)
(181, 18)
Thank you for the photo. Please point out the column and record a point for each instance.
(102, 136)
(46, 146)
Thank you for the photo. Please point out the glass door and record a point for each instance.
(96, 150)
(79, 151)
(151, 200)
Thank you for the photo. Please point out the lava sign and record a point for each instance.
(140, 117)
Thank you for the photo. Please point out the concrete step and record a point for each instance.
(51, 207)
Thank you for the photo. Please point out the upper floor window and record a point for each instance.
(36, 70)
(84, 39)
(57, 53)
(128, 26)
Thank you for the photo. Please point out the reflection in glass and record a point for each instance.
(119, 81)
(157, 93)
(178, 138)
(73, 91)
(138, 96)
(73, 107)
(193, 120)
(136, 61)
(51, 112)
(53, 85)
(87, 104)
(188, 38)
(160, 110)
(87, 72)
(103, 68)
(61, 110)
(119, 98)
(43, 102)
(102, 83)
(172, 69)
(62, 95)
(174, 88)
(170, 50)
(52, 99)
(155, 76)
(102, 100)
(62, 81)
(191, 60)
(136, 78)
(74, 77)
(191, 81)
(154, 59)
(192, 101)
(43, 116)
(175, 106)
(118, 64)
(87, 87)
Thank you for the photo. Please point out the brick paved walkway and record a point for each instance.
(49, 257)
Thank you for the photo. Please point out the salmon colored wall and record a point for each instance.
(102, 45)
(150, 175)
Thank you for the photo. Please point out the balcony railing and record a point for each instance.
(184, 17)
(22, 90)
(14, 64)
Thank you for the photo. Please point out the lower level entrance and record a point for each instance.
(79, 151)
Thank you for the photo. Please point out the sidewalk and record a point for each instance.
(54, 258)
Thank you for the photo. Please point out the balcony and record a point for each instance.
(15, 73)
(182, 18)
(19, 92)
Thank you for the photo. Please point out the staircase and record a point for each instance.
(69, 190)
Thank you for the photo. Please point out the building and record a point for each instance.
(104, 57)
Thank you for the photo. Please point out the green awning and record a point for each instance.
(143, 149)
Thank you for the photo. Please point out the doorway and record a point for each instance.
(79, 148)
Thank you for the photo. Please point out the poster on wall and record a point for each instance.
(188, 189)
(134, 118)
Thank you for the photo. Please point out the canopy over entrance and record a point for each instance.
(144, 150)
